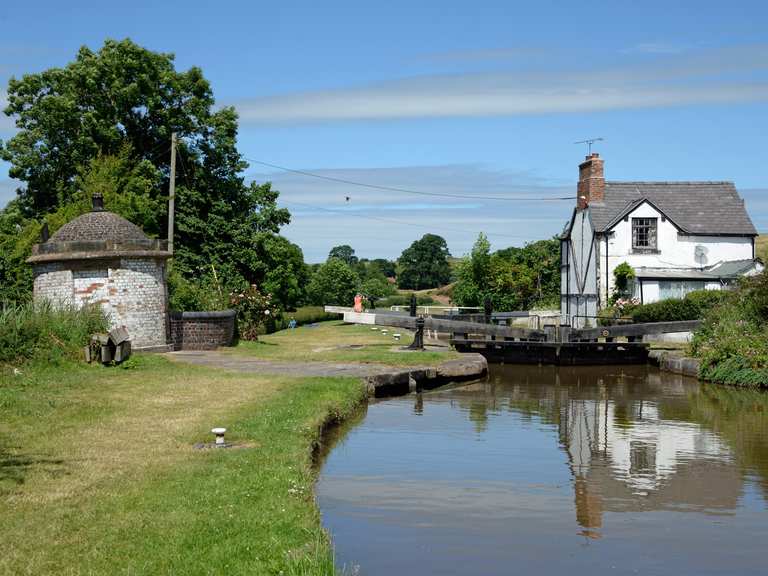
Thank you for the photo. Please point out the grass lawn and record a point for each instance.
(335, 341)
(98, 473)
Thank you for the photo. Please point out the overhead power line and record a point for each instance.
(408, 191)
(391, 221)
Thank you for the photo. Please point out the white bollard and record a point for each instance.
(219, 432)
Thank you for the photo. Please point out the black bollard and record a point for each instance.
(418, 338)
(488, 309)
(413, 306)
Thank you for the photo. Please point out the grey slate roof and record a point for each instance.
(696, 207)
(99, 226)
(731, 269)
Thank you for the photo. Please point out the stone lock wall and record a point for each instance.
(202, 330)
(131, 291)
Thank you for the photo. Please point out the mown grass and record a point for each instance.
(338, 342)
(98, 473)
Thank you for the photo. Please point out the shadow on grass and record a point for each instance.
(14, 468)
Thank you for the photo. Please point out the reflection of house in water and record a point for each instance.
(629, 444)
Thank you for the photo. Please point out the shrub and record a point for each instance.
(255, 312)
(304, 315)
(41, 331)
(404, 300)
(185, 295)
(694, 306)
(732, 343)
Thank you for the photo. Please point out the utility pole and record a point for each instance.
(172, 192)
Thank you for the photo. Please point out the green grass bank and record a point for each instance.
(99, 474)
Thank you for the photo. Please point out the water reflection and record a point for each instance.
(627, 447)
(538, 461)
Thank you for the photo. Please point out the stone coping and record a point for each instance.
(98, 249)
(206, 315)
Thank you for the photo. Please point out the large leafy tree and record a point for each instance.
(334, 283)
(424, 264)
(345, 253)
(118, 107)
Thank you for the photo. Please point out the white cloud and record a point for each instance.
(703, 78)
(382, 224)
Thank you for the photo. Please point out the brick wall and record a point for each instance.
(131, 291)
(202, 330)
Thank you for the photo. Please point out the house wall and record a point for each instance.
(578, 288)
(675, 250)
(131, 291)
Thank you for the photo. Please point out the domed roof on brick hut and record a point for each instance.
(97, 234)
(99, 225)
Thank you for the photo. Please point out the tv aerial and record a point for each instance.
(589, 142)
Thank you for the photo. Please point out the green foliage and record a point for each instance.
(514, 278)
(46, 333)
(386, 267)
(424, 264)
(304, 315)
(376, 288)
(255, 312)
(622, 275)
(732, 344)
(196, 295)
(345, 253)
(694, 306)
(405, 300)
(333, 284)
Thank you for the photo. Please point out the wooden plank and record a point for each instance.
(458, 326)
(118, 335)
(634, 330)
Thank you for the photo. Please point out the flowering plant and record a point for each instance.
(254, 310)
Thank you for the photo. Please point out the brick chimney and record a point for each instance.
(591, 187)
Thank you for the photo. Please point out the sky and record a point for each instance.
(480, 101)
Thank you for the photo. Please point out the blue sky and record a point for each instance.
(469, 98)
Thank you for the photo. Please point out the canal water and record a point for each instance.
(540, 470)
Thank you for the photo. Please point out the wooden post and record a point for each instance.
(172, 193)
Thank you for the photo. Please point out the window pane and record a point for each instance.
(644, 233)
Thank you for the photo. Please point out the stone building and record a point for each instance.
(102, 258)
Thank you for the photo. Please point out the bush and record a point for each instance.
(304, 315)
(732, 343)
(43, 332)
(185, 295)
(694, 306)
(405, 300)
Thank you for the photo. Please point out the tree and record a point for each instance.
(513, 278)
(424, 264)
(345, 253)
(334, 284)
(387, 267)
(105, 121)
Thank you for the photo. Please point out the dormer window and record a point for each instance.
(644, 234)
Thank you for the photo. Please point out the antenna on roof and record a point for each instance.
(589, 143)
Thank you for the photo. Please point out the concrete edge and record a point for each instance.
(400, 382)
(670, 362)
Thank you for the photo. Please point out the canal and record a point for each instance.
(543, 470)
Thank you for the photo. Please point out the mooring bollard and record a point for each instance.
(418, 338)
(219, 432)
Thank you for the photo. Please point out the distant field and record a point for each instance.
(761, 247)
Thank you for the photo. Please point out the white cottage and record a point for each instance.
(677, 236)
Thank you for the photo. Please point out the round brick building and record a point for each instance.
(102, 258)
